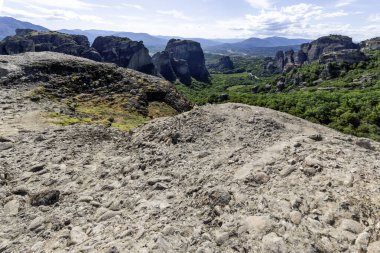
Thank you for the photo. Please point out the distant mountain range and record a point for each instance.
(256, 46)
(155, 43)
(8, 26)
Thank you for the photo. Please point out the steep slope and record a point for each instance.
(9, 25)
(220, 178)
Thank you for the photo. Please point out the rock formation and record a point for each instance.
(182, 71)
(192, 53)
(371, 44)
(348, 56)
(327, 44)
(163, 65)
(121, 51)
(63, 76)
(187, 60)
(225, 64)
(125, 53)
(27, 40)
(325, 49)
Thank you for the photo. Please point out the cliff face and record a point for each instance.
(121, 51)
(186, 59)
(192, 53)
(125, 53)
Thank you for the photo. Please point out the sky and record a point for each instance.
(359, 19)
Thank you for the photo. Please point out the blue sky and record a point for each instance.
(359, 19)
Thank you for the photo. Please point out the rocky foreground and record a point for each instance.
(220, 178)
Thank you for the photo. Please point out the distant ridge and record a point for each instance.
(9, 25)
(257, 46)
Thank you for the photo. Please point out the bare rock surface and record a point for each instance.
(219, 178)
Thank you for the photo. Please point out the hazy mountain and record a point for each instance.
(155, 43)
(9, 25)
(257, 46)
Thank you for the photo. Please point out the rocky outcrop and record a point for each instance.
(121, 51)
(125, 53)
(225, 64)
(182, 71)
(164, 67)
(27, 40)
(328, 44)
(371, 44)
(325, 49)
(192, 53)
(183, 57)
(348, 56)
(63, 76)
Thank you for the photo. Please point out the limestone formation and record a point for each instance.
(125, 53)
(163, 65)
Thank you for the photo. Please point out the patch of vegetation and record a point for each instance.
(95, 110)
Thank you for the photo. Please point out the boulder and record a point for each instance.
(163, 66)
(125, 53)
(192, 53)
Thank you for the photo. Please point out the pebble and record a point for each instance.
(45, 198)
(221, 237)
(272, 243)
(351, 226)
(12, 207)
(37, 224)
(258, 225)
(77, 235)
(374, 247)
(295, 217)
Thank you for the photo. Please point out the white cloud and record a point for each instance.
(342, 3)
(294, 20)
(66, 4)
(374, 18)
(135, 6)
(260, 4)
(1, 4)
(50, 14)
(174, 13)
